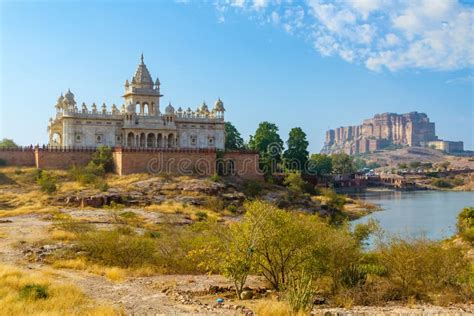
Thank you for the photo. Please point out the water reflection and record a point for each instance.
(432, 213)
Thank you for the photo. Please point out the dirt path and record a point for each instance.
(143, 295)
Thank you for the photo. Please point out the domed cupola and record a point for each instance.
(142, 76)
(204, 109)
(219, 106)
(69, 96)
(59, 103)
(169, 109)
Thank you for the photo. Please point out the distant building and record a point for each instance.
(447, 146)
(381, 131)
(139, 123)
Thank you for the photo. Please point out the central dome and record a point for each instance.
(142, 75)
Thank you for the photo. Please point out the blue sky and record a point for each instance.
(312, 64)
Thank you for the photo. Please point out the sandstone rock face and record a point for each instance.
(409, 129)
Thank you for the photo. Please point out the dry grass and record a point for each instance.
(124, 181)
(63, 235)
(112, 273)
(60, 299)
(275, 308)
(171, 207)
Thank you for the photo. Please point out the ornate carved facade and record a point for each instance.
(139, 122)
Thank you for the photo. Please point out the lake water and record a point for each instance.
(432, 213)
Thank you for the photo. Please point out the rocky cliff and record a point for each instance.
(409, 129)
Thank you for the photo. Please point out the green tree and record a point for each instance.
(360, 163)
(233, 139)
(269, 145)
(465, 223)
(7, 143)
(342, 164)
(320, 164)
(297, 153)
(294, 182)
(103, 157)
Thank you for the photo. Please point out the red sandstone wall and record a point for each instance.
(61, 159)
(245, 164)
(22, 157)
(128, 161)
(179, 162)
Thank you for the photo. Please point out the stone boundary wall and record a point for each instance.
(178, 161)
(62, 158)
(21, 156)
(168, 160)
(246, 164)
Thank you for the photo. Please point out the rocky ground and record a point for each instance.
(391, 158)
(164, 294)
(26, 242)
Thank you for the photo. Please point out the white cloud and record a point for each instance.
(382, 34)
(462, 80)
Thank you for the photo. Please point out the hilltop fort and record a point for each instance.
(387, 130)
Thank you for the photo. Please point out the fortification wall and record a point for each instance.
(170, 161)
(245, 164)
(62, 158)
(200, 162)
(22, 156)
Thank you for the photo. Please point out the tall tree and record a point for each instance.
(342, 163)
(268, 144)
(320, 164)
(297, 153)
(7, 143)
(233, 139)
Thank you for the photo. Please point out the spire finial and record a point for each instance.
(142, 58)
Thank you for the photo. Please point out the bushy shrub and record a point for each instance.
(103, 157)
(465, 224)
(232, 208)
(92, 174)
(47, 182)
(300, 291)
(418, 267)
(215, 177)
(252, 188)
(34, 291)
(213, 203)
(294, 182)
(440, 183)
(118, 249)
(201, 216)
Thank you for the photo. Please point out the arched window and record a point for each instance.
(170, 140)
(130, 139)
(150, 140)
(160, 140)
(142, 139)
(56, 139)
(138, 108)
(146, 109)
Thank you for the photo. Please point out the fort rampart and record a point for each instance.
(179, 161)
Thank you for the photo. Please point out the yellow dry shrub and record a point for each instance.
(76, 264)
(115, 274)
(60, 299)
(112, 273)
(62, 235)
(275, 308)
